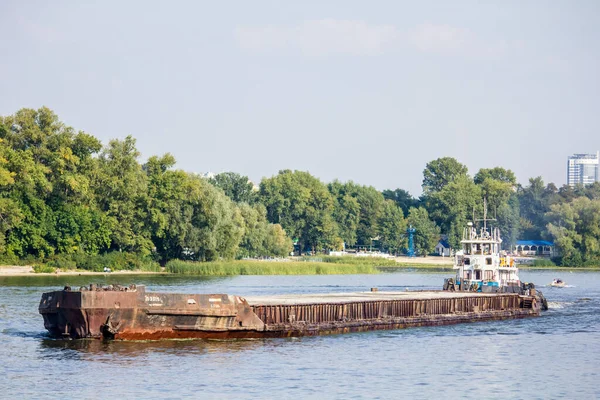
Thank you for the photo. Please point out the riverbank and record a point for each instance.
(255, 267)
(18, 270)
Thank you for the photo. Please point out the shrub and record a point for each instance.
(116, 261)
(41, 268)
(61, 261)
(542, 262)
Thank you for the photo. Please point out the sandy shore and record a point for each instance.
(17, 270)
(442, 261)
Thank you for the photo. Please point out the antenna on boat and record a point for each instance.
(485, 218)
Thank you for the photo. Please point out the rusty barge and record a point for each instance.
(132, 313)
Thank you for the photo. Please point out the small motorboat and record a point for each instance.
(557, 283)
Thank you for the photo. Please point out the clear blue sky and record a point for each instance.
(363, 91)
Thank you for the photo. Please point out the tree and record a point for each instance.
(237, 187)
(121, 191)
(214, 225)
(427, 233)
(453, 206)
(439, 173)
(575, 228)
(402, 198)
(50, 167)
(497, 173)
(535, 201)
(303, 206)
(260, 238)
(508, 221)
(357, 212)
(391, 227)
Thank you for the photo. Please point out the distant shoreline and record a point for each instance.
(402, 262)
(17, 270)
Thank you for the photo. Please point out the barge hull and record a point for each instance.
(138, 315)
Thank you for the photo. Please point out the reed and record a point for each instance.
(352, 260)
(250, 267)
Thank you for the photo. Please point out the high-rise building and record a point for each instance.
(583, 169)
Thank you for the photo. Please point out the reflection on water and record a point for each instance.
(133, 349)
(555, 355)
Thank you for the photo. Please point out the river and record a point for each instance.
(554, 356)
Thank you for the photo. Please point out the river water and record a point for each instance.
(554, 356)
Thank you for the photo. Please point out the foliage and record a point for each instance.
(534, 203)
(261, 239)
(575, 228)
(440, 172)
(235, 186)
(303, 207)
(427, 233)
(357, 212)
(43, 269)
(453, 206)
(543, 263)
(116, 261)
(346, 212)
(66, 198)
(402, 198)
(391, 227)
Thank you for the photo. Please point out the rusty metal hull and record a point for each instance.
(140, 315)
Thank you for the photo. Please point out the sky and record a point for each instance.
(349, 90)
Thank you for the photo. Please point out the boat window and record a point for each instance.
(477, 274)
(488, 275)
(488, 261)
(467, 261)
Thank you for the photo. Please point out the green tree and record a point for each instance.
(215, 225)
(237, 187)
(402, 198)
(121, 190)
(303, 206)
(453, 206)
(346, 212)
(427, 233)
(534, 202)
(391, 227)
(261, 238)
(508, 221)
(370, 203)
(441, 172)
(575, 229)
(51, 166)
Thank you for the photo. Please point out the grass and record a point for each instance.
(351, 260)
(249, 267)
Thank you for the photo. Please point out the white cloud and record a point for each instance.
(440, 38)
(318, 37)
(333, 36)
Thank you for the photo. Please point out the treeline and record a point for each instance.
(64, 194)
